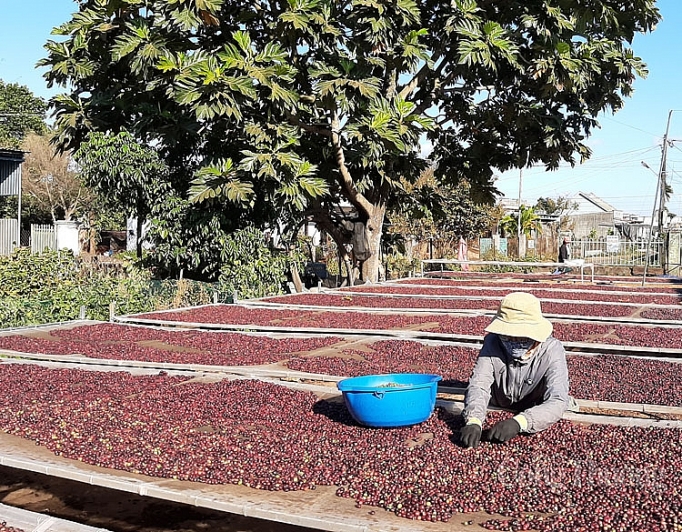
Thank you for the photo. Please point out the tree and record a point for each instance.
(559, 206)
(20, 113)
(128, 176)
(320, 104)
(428, 209)
(50, 182)
(188, 240)
(530, 221)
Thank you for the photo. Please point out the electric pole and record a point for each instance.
(518, 225)
(660, 196)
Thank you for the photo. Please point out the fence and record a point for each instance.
(614, 252)
(9, 230)
(602, 252)
(43, 237)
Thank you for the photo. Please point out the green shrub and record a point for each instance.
(53, 286)
(398, 265)
(251, 269)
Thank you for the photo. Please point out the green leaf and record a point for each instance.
(125, 45)
(563, 48)
(380, 119)
(243, 41)
(314, 187)
(297, 19)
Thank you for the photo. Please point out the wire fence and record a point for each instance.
(609, 251)
(615, 252)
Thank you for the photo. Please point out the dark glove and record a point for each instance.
(470, 435)
(504, 430)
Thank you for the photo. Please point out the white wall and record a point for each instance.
(67, 236)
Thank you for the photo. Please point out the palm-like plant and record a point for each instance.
(530, 221)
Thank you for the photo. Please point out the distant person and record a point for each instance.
(565, 250)
(521, 367)
(463, 253)
(564, 255)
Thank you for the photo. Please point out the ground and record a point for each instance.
(118, 511)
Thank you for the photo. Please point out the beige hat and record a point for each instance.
(520, 315)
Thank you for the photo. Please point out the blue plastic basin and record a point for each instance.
(391, 400)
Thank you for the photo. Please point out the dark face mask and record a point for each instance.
(517, 347)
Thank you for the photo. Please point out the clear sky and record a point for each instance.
(614, 172)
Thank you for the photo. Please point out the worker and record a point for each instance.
(521, 367)
(564, 255)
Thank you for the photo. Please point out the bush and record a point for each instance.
(54, 286)
(251, 269)
(398, 265)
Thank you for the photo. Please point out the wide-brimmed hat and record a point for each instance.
(520, 315)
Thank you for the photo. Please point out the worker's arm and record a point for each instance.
(556, 398)
(480, 383)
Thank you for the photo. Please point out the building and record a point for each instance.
(593, 218)
(10, 185)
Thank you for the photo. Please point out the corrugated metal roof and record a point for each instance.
(594, 199)
(12, 155)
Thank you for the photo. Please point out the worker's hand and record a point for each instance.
(470, 435)
(503, 431)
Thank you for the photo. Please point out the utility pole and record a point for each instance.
(518, 225)
(662, 174)
(659, 197)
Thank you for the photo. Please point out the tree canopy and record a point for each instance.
(125, 174)
(20, 113)
(50, 182)
(313, 105)
(428, 209)
(559, 206)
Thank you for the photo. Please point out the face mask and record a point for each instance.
(517, 347)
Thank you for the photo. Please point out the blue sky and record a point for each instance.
(614, 172)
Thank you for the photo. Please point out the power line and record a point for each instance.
(590, 162)
(631, 127)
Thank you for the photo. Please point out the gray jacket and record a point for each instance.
(536, 388)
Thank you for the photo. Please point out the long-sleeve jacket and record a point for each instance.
(564, 253)
(537, 387)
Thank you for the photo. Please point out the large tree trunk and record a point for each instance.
(358, 242)
(373, 232)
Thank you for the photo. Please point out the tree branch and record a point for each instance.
(318, 130)
(419, 77)
(346, 180)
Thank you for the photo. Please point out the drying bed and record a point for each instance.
(116, 342)
(636, 335)
(269, 437)
(540, 276)
(545, 293)
(671, 286)
(313, 319)
(631, 335)
(465, 303)
(218, 314)
(599, 377)
(225, 348)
